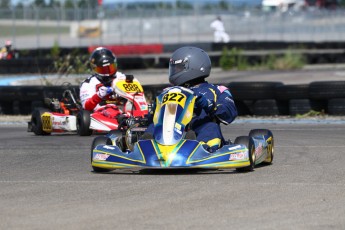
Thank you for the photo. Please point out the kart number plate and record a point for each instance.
(178, 98)
(129, 87)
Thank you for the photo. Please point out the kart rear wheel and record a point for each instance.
(270, 143)
(249, 143)
(36, 122)
(83, 123)
(101, 140)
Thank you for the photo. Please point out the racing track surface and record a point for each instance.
(47, 183)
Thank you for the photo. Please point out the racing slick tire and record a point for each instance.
(336, 106)
(250, 90)
(249, 143)
(83, 123)
(270, 143)
(101, 140)
(36, 122)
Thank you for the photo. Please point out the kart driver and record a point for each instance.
(7, 53)
(188, 67)
(96, 90)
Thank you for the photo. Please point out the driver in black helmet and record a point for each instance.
(97, 89)
(188, 67)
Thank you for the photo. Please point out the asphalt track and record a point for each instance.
(47, 183)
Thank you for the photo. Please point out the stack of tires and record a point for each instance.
(251, 98)
(276, 98)
(329, 93)
(296, 97)
(257, 98)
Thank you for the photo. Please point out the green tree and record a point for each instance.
(69, 4)
(223, 5)
(39, 3)
(5, 3)
(183, 5)
(54, 3)
(19, 5)
(83, 4)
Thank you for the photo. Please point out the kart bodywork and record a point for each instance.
(173, 146)
(130, 101)
(57, 115)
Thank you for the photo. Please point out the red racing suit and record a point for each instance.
(88, 93)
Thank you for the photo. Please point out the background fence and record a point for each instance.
(42, 28)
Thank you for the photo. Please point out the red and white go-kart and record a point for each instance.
(67, 115)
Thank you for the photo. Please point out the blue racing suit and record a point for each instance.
(218, 107)
(206, 122)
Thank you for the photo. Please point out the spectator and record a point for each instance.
(6, 53)
(219, 31)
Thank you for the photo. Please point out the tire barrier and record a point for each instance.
(251, 98)
(143, 56)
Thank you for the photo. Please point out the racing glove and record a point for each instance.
(104, 91)
(202, 102)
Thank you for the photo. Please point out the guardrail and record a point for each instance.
(251, 98)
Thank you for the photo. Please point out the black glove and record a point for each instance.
(121, 119)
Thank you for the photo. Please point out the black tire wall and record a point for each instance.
(251, 98)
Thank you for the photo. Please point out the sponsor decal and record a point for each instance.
(178, 131)
(140, 99)
(258, 150)
(188, 114)
(238, 156)
(101, 157)
(58, 123)
(108, 147)
(234, 147)
(178, 128)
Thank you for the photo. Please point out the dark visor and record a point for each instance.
(177, 66)
(107, 69)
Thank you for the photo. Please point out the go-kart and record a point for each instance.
(130, 101)
(57, 115)
(174, 146)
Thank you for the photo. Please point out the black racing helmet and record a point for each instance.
(103, 63)
(187, 64)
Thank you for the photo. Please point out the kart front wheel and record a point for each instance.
(270, 142)
(101, 140)
(83, 123)
(249, 143)
(36, 122)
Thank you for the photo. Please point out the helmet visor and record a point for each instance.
(106, 70)
(177, 66)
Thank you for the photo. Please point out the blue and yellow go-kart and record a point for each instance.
(172, 146)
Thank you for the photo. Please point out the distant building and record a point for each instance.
(285, 5)
(282, 5)
(329, 4)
